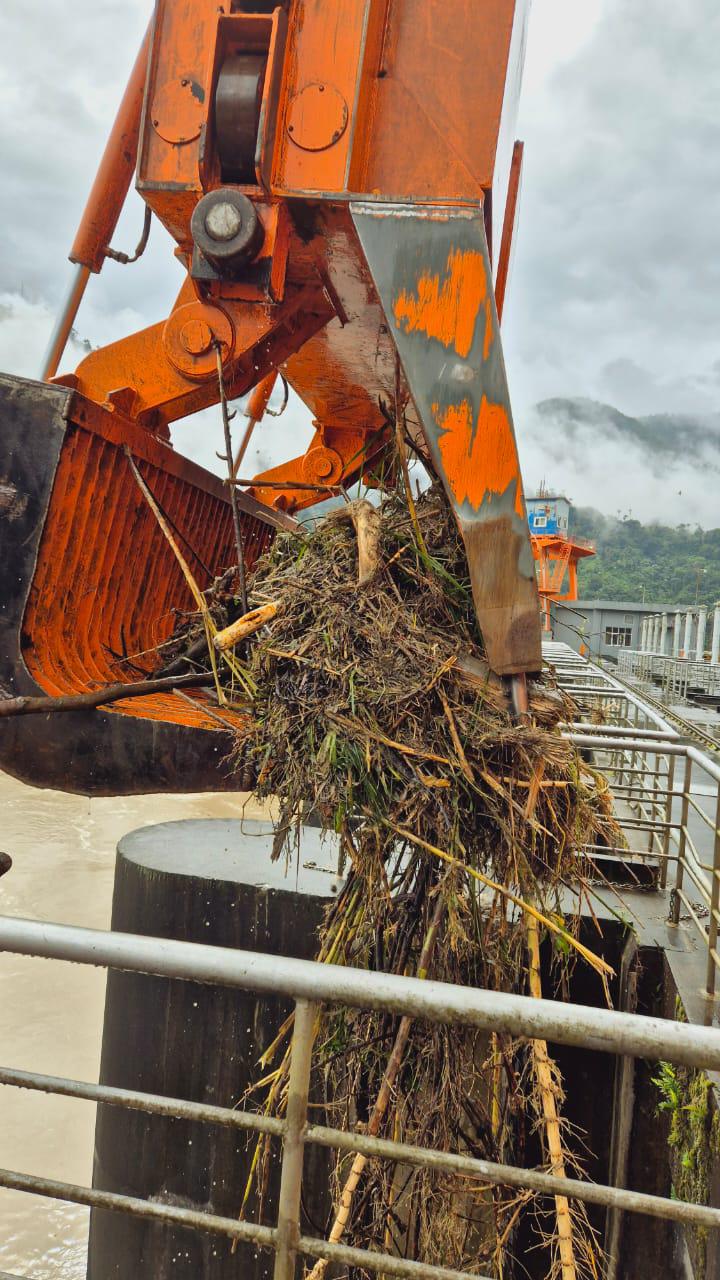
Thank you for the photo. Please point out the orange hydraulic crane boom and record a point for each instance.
(340, 182)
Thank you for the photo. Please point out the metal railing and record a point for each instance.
(673, 675)
(310, 984)
(659, 781)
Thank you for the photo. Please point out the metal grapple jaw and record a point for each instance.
(431, 269)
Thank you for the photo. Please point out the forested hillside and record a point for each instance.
(653, 562)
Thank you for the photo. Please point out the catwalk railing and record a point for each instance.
(667, 793)
(310, 984)
(673, 675)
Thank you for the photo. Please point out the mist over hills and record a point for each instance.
(654, 562)
(661, 468)
(645, 490)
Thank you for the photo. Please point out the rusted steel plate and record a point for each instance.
(92, 752)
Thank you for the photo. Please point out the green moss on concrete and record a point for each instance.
(694, 1139)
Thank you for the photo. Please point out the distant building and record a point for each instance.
(603, 627)
(548, 514)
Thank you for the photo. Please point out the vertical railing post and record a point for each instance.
(288, 1226)
(714, 902)
(675, 910)
(668, 820)
(652, 795)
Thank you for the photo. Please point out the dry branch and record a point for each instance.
(366, 522)
(28, 706)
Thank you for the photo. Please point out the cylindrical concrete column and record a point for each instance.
(211, 882)
(663, 632)
(656, 633)
(687, 643)
(715, 651)
(643, 634)
(677, 630)
(700, 641)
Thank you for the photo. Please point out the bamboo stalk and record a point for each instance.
(238, 671)
(456, 737)
(383, 1098)
(245, 626)
(544, 1075)
(288, 484)
(600, 966)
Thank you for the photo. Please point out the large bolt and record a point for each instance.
(223, 221)
(321, 463)
(196, 336)
(322, 466)
(227, 230)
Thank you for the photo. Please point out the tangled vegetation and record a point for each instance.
(459, 829)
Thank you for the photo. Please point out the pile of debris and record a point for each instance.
(370, 707)
(361, 700)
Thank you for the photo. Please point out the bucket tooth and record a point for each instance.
(431, 269)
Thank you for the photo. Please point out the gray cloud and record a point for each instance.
(617, 275)
(616, 279)
(663, 468)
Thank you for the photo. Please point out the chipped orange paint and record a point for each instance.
(447, 309)
(480, 459)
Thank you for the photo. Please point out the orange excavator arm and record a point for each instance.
(340, 183)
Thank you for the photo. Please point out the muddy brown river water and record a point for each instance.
(63, 851)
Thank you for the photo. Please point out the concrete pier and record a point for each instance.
(700, 638)
(677, 634)
(687, 646)
(715, 651)
(211, 882)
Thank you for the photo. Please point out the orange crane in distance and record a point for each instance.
(340, 180)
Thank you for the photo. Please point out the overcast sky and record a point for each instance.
(615, 290)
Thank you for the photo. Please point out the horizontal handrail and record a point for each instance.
(232, 1228)
(378, 1148)
(598, 1029)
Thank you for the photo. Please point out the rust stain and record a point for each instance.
(447, 309)
(489, 335)
(480, 459)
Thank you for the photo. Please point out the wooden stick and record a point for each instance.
(402, 456)
(383, 1098)
(288, 484)
(245, 626)
(476, 673)
(239, 545)
(366, 520)
(546, 1084)
(456, 737)
(100, 697)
